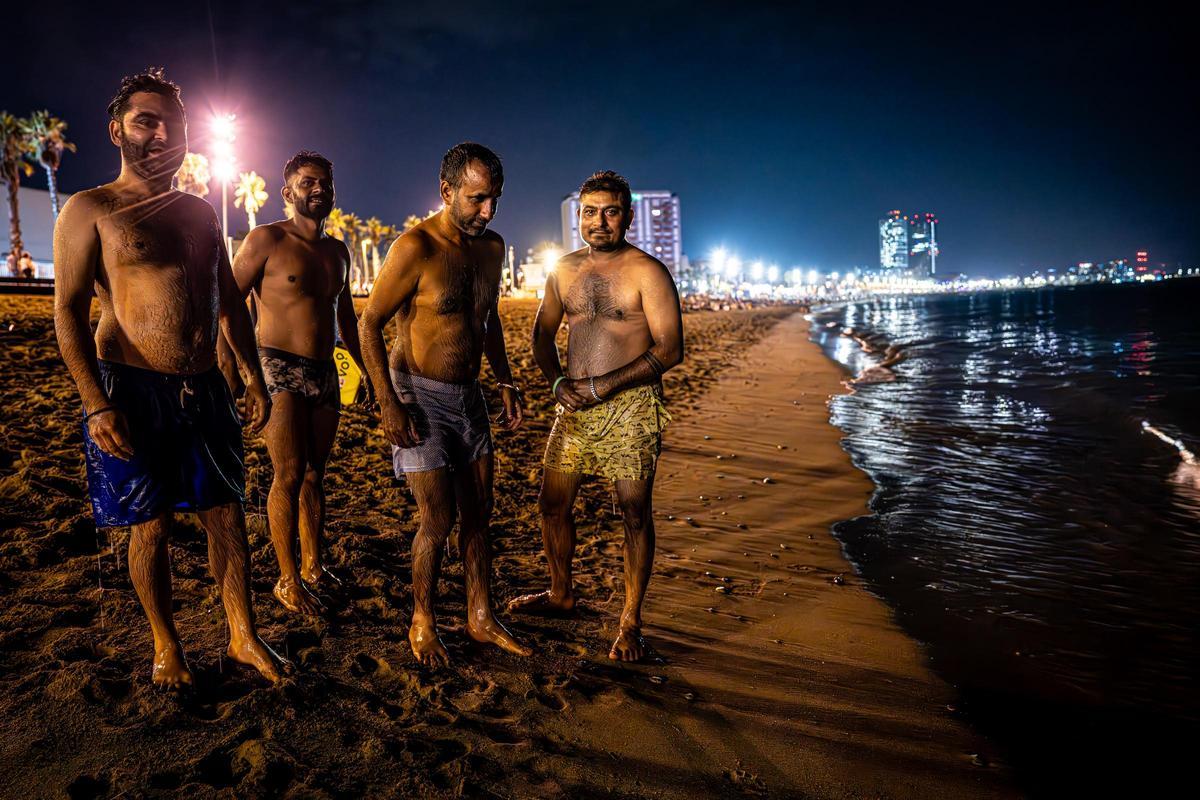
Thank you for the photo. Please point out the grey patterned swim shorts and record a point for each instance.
(314, 380)
(451, 419)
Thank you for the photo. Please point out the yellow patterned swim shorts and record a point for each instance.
(619, 439)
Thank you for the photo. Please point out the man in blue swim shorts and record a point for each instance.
(160, 430)
(441, 281)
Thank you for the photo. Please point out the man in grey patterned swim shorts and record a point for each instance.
(441, 281)
(299, 276)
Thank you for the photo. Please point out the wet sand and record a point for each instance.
(840, 706)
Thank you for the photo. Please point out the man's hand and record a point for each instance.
(399, 426)
(575, 393)
(110, 432)
(514, 409)
(366, 394)
(258, 405)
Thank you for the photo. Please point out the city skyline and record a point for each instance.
(783, 132)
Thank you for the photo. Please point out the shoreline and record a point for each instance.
(785, 675)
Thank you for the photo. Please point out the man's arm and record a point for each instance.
(348, 321)
(76, 255)
(660, 303)
(249, 265)
(237, 330)
(397, 283)
(545, 345)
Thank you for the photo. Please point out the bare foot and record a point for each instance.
(317, 577)
(426, 645)
(629, 646)
(255, 653)
(489, 630)
(170, 669)
(296, 597)
(542, 603)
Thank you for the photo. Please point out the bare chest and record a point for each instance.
(159, 238)
(302, 271)
(591, 296)
(459, 288)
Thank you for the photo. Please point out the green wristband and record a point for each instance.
(557, 381)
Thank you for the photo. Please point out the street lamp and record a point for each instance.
(224, 164)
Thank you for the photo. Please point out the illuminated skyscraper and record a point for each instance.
(655, 229)
(893, 243)
(922, 246)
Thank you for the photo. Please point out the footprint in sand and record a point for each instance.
(548, 691)
(366, 664)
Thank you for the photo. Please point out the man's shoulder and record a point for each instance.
(197, 206)
(637, 261)
(90, 203)
(573, 259)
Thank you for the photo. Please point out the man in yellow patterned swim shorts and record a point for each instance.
(625, 330)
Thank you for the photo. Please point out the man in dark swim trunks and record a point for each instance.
(441, 281)
(299, 277)
(160, 430)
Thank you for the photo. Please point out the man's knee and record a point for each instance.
(436, 523)
(290, 475)
(152, 532)
(554, 505)
(635, 512)
(314, 475)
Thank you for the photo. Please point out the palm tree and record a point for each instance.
(411, 221)
(375, 231)
(194, 175)
(354, 237)
(251, 192)
(48, 141)
(335, 224)
(15, 152)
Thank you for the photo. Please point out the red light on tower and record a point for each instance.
(1143, 257)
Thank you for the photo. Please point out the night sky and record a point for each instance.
(1040, 138)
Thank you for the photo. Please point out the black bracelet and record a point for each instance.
(654, 363)
(100, 410)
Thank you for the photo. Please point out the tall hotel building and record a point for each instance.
(922, 245)
(893, 244)
(655, 227)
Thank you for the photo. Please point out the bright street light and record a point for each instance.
(756, 271)
(224, 163)
(773, 273)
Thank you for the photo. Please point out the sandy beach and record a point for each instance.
(774, 672)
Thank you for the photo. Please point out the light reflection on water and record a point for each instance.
(1024, 526)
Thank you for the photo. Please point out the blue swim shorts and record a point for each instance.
(451, 419)
(187, 446)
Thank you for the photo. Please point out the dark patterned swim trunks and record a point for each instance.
(312, 379)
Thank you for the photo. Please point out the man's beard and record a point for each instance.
(152, 166)
(313, 211)
(614, 242)
(470, 226)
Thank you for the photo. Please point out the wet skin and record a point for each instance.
(300, 280)
(619, 303)
(155, 260)
(440, 282)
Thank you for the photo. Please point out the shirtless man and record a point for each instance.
(160, 430)
(625, 330)
(299, 277)
(441, 281)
